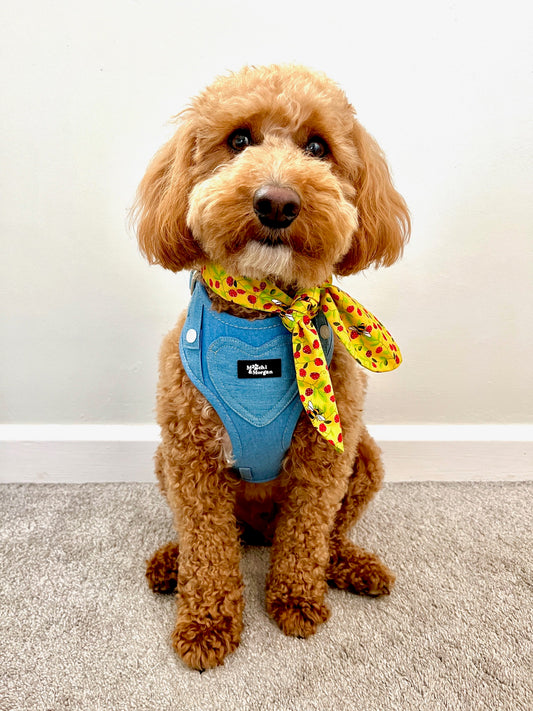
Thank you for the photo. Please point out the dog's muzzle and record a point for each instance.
(276, 207)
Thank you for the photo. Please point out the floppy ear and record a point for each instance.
(384, 223)
(161, 206)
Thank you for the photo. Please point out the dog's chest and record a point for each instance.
(245, 369)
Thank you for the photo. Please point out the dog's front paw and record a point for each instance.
(297, 616)
(204, 642)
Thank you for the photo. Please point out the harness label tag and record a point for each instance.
(269, 368)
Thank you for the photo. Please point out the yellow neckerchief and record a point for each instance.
(365, 338)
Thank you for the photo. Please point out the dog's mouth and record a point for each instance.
(271, 239)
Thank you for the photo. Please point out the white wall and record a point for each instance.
(87, 90)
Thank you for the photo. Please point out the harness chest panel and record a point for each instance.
(245, 369)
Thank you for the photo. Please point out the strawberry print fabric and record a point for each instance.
(365, 338)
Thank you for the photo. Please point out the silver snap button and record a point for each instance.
(190, 336)
(324, 331)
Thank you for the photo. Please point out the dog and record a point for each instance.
(269, 175)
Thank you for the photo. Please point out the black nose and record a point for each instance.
(276, 207)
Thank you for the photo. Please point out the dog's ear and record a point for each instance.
(384, 223)
(160, 210)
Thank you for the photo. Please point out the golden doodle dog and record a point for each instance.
(269, 186)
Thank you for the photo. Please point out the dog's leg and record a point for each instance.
(316, 480)
(162, 568)
(351, 567)
(209, 583)
(201, 492)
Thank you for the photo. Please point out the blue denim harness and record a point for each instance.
(245, 369)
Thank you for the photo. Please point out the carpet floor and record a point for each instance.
(79, 628)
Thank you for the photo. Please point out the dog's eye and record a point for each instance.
(240, 139)
(316, 147)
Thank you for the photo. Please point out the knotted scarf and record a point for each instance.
(365, 338)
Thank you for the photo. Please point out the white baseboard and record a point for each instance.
(106, 453)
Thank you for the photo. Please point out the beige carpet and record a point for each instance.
(79, 628)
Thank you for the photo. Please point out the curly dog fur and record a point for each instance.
(195, 205)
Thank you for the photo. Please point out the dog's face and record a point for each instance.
(270, 175)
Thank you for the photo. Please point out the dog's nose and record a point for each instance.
(276, 207)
